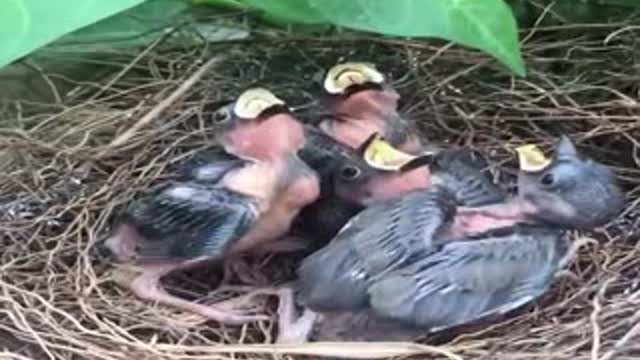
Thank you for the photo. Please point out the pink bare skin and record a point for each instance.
(282, 187)
(470, 221)
(365, 112)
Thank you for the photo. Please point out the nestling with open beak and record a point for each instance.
(332, 160)
(419, 264)
(400, 173)
(362, 103)
(232, 208)
(378, 171)
(362, 107)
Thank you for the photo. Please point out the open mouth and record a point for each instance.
(381, 155)
(357, 88)
(273, 110)
(349, 78)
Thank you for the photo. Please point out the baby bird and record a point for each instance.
(362, 103)
(332, 161)
(400, 172)
(420, 264)
(228, 208)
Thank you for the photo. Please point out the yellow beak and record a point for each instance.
(531, 158)
(379, 154)
(252, 102)
(341, 76)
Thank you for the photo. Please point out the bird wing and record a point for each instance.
(190, 219)
(460, 171)
(379, 239)
(465, 281)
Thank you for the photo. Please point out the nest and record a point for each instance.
(71, 165)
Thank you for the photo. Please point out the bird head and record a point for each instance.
(385, 173)
(566, 190)
(259, 125)
(361, 103)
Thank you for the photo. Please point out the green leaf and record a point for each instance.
(296, 11)
(487, 25)
(136, 26)
(26, 25)
(234, 4)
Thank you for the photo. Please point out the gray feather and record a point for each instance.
(379, 239)
(187, 220)
(467, 280)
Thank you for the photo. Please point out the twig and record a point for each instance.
(352, 350)
(597, 308)
(634, 331)
(163, 105)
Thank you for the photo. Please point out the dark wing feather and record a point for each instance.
(187, 220)
(379, 239)
(460, 171)
(323, 219)
(466, 281)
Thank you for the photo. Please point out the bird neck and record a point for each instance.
(472, 221)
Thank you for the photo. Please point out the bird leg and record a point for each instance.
(146, 285)
(290, 329)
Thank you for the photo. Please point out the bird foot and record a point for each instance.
(290, 329)
(220, 312)
(240, 305)
(147, 287)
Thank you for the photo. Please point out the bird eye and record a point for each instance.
(349, 172)
(547, 179)
(222, 115)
